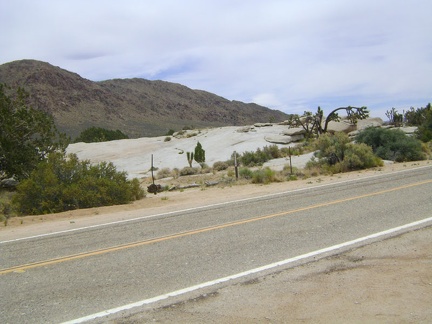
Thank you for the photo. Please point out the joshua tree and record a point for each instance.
(190, 157)
(316, 124)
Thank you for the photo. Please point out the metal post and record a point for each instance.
(289, 152)
(152, 168)
(235, 165)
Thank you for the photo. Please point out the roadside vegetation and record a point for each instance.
(36, 175)
(65, 183)
(334, 153)
(46, 180)
(392, 144)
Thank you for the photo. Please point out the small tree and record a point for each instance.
(424, 131)
(199, 154)
(353, 115)
(417, 116)
(394, 117)
(27, 135)
(308, 121)
(315, 124)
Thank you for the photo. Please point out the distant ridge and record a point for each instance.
(137, 107)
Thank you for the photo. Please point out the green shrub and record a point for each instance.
(337, 154)
(358, 157)
(61, 184)
(167, 139)
(424, 131)
(332, 147)
(272, 151)
(250, 159)
(98, 134)
(245, 173)
(390, 144)
(427, 149)
(286, 172)
(260, 156)
(265, 176)
(170, 132)
(292, 177)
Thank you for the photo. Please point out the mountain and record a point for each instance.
(137, 107)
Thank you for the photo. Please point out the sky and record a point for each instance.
(290, 55)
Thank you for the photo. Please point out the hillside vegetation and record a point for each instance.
(136, 107)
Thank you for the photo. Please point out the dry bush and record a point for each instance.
(164, 173)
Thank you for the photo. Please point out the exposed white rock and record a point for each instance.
(407, 130)
(283, 139)
(369, 122)
(342, 126)
(134, 155)
(294, 131)
(246, 129)
(263, 124)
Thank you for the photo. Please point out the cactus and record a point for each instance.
(190, 158)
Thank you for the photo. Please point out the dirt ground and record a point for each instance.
(385, 282)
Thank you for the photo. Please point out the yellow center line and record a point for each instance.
(22, 268)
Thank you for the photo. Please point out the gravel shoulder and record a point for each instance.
(384, 282)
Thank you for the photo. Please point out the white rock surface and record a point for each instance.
(134, 155)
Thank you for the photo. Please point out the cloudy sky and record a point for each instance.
(291, 55)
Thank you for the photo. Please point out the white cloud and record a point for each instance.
(267, 100)
(290, 55)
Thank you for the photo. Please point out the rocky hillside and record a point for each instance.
(137, 107)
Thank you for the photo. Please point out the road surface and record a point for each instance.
(71, 275)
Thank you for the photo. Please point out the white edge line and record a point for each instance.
(203, 207)
(245, 273)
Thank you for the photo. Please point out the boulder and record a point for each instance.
(407, 130)
(369, 122)
(246, 129)
(353, 133)
(294, 131)
(263, 124)
(10, 183)
(284, 123)
(283, 139)
(342, 126)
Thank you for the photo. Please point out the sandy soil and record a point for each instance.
(386, 282)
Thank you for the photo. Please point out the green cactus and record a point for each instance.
(190, 158)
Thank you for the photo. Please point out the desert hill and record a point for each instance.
(137, 107)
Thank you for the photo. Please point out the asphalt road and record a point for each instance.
(67, 276)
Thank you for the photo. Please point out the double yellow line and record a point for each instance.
(24, 267)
